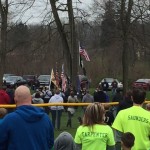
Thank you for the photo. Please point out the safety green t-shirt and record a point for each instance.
(137, 121)
(96, 138)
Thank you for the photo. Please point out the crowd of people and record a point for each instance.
(125, 126)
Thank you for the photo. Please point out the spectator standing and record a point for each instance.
(105, 85)
(37, 99)
(109, 117)
(87, 98)
(28, 127)
(100, 96)
(10, 92)
(71, 109)
(114, 85)
(117, 98)
(126, 102)
(56, 111)
(64, 141)
(94, 134)
(127, 141)
(135, 120)
(46, 97)
(4, 97)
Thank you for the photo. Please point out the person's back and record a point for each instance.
(94, 134)
(27, 128)
(135, 120)
(4, 97)
(87, 98)
(118, 96)
(126, 102)
(100, 96)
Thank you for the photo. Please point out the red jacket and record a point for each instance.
(4, 97)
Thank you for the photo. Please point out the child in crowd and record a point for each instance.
(3, 112)
(127, 141)
(148, 107)
(64, 141)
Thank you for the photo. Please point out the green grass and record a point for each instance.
(75, 123)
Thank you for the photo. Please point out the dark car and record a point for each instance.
(6, 75)
(44, 80)
(15, 81)
(31, 79)
(142, 83)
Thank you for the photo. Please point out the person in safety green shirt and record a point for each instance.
(135, 120)
(93, 134)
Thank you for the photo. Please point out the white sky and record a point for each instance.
(38, 11)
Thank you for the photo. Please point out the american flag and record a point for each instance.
(83, 52)
(57, 78)
(64, 80)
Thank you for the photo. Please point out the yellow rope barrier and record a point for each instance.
(61, 104)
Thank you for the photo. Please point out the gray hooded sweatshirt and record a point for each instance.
(64, 141)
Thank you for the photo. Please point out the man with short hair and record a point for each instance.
(28, 127)
(135, 120)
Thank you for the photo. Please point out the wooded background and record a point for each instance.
(115, 33)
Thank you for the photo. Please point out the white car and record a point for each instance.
(110, 80)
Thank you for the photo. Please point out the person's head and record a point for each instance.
(71, 93)
(87, 91)
(22, 96)
(148, 106)
(128, 94)
(127, 140)
(37, 95)
(57, 91)
(138, 96)
(3, 112)
(64, 141)
(94, 114)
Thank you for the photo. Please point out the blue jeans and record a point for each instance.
(56, 118)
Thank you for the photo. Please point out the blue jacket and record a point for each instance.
(27, 128)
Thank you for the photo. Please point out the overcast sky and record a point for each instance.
(38, 11)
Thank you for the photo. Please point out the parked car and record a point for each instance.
(6, 75)
(15, 81)
(110, 80)
(44, 80)
(142, 83)
(30, 79)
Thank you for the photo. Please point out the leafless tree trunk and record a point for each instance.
(70, 48)
(73, 45)
(3, 40)
(125, 18)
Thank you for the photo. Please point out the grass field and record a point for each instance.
(75, 123)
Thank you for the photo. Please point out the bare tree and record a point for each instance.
(69, 46)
